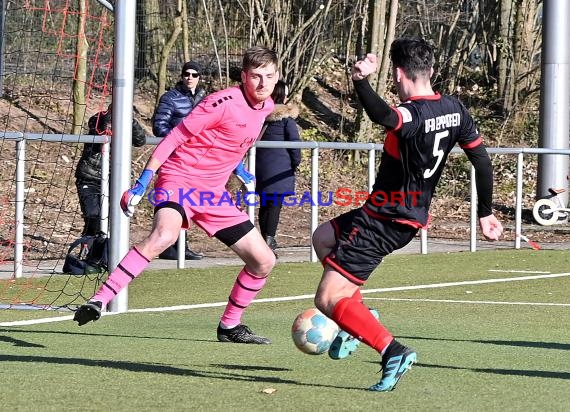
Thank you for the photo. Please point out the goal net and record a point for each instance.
(56, 60)
(39, 207)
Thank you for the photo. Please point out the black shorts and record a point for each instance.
(363, 241)
(228, 235)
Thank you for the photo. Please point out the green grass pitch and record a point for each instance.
(483, 344)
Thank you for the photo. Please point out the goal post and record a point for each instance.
(123, 84)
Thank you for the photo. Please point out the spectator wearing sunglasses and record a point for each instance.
(173, 107)
(176, 103)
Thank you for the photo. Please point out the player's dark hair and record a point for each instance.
(414, 56)
(279, 92)
(258, 56)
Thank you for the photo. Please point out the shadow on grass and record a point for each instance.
(517, 343)
(20, 343)
(510, 372)
(172, 370)
(146, 367)
(513, 372)
(249, 367)
(108, 335)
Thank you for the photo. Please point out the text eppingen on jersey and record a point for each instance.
(341, 197)
(442, 122)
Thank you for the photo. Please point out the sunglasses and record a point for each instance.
(194, 75)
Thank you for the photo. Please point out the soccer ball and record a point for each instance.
(313, 332)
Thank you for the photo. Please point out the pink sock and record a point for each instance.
(126, 271)
(244, 291)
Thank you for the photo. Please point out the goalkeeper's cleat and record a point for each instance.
(90, 311)
(240, 334)
(345, 344)
(396, 361)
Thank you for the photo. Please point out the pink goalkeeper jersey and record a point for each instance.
(210, 142)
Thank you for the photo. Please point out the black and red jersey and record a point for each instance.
(415, 152)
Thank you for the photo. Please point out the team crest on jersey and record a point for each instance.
(406, 115)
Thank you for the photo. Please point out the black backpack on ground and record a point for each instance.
(87, 255)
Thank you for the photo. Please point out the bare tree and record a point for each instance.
(495, 42)
(526, 46)
(212, 17)
(388, 39)
(505, 56)
(513, 44)
(296, 30)
(79, 80)
(150, 39)
(489, 42)
(177, 24)
(183, 7)
(380, 33)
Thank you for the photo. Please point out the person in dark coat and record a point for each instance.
(176, 103)
(275, 168)
(88, 173)
(173, 107)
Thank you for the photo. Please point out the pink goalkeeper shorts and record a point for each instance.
(211, 208)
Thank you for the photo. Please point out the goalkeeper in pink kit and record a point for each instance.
(196, 160)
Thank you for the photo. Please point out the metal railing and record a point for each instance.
(21, 139)
(314, 147)
(373, 148)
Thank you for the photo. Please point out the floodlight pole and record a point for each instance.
(123, 86)
(554, 96)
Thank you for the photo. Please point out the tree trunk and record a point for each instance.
(183, 7)
(150, 39)
(505, 51)
(388, 39)
(176, 30)
(379, 38)
(527, 45)
(79, 80)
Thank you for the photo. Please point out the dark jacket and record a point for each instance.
(173, 107)
(89, 165)
(275, 168)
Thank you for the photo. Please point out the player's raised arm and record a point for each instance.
(365, 67)
(376, 108)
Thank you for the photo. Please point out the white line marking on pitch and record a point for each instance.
(300, 297)
(467, 282)
(517, 271)
(475, 302)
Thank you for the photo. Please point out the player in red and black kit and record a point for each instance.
(421, 132)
